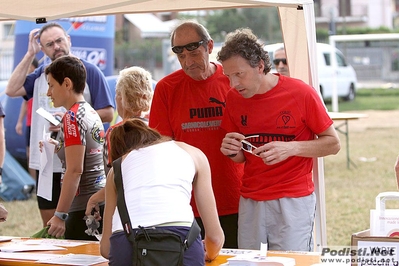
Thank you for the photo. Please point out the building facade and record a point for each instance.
(357, 13)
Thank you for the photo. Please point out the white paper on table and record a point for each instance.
(32, 256)
(54, 242)
(5, 238)
(45, 183)
(23, 247)
(76, 260)
(234, 252)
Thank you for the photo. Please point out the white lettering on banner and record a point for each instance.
(98, 28)
(96, 56)
(97, 19)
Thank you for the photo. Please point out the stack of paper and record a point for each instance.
(21, 251)
(235, 252)
(75, 260)
(247, 260)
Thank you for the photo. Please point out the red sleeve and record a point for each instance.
(227, 121)
(159, 114)
(72, 134)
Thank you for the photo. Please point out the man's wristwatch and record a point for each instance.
(1, 170)
(62, 215)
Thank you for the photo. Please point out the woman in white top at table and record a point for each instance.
(158, 177)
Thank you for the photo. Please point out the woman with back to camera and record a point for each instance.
(158, 177)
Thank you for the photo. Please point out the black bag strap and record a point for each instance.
(122, 209)
(121, 203)
(195, 230)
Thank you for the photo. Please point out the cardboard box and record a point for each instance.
(374, 250)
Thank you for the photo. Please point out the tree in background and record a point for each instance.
(264, 22)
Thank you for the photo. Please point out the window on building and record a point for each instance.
(8, 31)
(345, 8)
(395, 60)
(317, 8)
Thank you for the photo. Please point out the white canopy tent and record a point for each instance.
(297, 23)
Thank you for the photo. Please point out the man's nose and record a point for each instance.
(233, 82)
(56, 46)
(189, 60)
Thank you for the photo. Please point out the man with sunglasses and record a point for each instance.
(280, 62)
(277, 131)
(54, 42)
(188, 105)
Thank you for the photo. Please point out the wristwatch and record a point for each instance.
(1, 170)
(62, 215)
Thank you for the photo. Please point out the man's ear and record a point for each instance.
(68, 83)
(261, 66)
(210, 46)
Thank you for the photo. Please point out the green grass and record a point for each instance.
(370, 99)
(350, 193)
(23, 218)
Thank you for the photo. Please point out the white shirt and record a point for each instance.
(157, 184)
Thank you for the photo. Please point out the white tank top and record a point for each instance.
(157, 184)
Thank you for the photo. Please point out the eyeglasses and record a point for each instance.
(189, 47)
(58, 42)
(277, 61)
(247, 146)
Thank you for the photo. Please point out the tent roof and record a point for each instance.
(32, 10)
(297, 24)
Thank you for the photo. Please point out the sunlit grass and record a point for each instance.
(370, 99)
(350, 193)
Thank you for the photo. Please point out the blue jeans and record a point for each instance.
(121, 250)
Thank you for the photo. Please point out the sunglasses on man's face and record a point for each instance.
(189, 47)
(277, 61)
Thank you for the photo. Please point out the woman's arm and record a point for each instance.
(203, 193)
(93, 202)
(110, 205)
(397, 171)
(74, 157)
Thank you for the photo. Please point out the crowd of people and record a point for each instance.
(227, 143)
(54, 42)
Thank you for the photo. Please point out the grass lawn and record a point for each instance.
(374, 147)
(370, 99)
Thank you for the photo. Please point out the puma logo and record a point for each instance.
(214, 100)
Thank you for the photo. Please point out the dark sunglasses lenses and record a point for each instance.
(246, 146)
(189, 47)
(277, 61)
